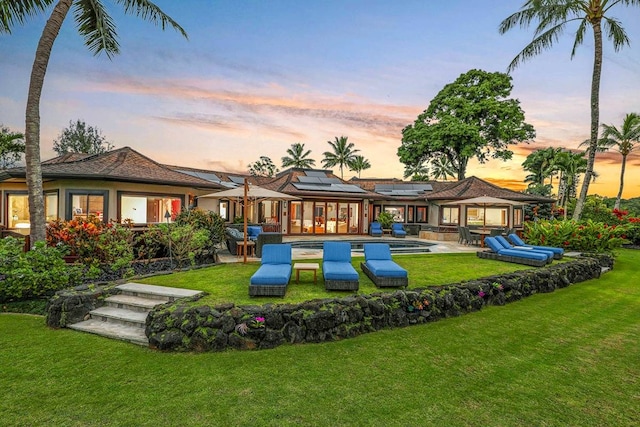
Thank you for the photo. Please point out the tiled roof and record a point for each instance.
(370, 184)
(123, 164)
(475, 187)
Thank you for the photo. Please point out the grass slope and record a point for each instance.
(566, 358)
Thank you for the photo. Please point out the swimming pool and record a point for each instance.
(396, 245)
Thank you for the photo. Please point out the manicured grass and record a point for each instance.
(230, 282)
(566, 358)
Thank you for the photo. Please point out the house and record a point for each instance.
(124, 185)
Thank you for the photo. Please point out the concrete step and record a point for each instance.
(112, 330)
(120, 316)
(132, 303)
(162, 293)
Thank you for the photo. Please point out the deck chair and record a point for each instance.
(274, 273)
(517, 241)
(338, 273)
(381, 269)
(498, 252)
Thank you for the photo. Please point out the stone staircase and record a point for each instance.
(124, 315)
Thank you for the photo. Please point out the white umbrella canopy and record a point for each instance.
(248, 193)
(484, 201)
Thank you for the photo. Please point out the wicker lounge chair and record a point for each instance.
(375, 229)
(505, 244)
(397, 230)
(517, 241)
(266, 238)
(511, 255)
(381, 269)
(338, 273)
(274, 273)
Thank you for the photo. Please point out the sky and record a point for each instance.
(255, 77)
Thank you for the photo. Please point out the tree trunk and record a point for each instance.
(32, 120)
(595, 118)
(624, 165)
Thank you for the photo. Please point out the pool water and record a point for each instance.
(396, 245)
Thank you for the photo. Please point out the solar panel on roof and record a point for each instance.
(237, 179)
(203, 175)
(309, 179)
(344, 188)
(316, 173)
(330, 181)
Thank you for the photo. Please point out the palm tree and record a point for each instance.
(99, 32)
(298, 157)
(553, 16)
(358, 164)
(624, 140)
(342, 155)
(541, 165)
(417, 172)
(441, 168)
(571, 166)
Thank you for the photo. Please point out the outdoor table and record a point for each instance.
(483, 234)
(247, 248)
(306, 266)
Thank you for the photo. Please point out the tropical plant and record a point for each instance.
(342, 154)
(441, 168)
(541, 164)
(358, 164)
(263, 167)
(298, 157)
(553, 16)
(584, 236)
(98, 29)
(624, 140)
(80, 138)
(571, 166)
(417, 171)
(385, 219)
(11, 147)
(471, 117)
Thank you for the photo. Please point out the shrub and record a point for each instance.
(205, 220)
(584, 236)
(385, 219)
(185, 242)
(36, 273)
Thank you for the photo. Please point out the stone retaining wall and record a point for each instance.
(187, 326)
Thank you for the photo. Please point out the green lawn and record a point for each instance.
(569, 358)
(230, 282)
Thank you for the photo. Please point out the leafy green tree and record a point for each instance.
(263, 167)
(298, 157)
(471, 117)
(358, 164)
(80, 138)
(11, 147)
(571, 166)
(98, 29)
(624, 140)
(342, 154)
(417, 172)
(553, 16)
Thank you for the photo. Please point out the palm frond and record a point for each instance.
(152, 13)
(96, 27)
(17, 12)
(615, 33)
(539, 44)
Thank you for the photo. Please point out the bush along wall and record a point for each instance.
(185, 326)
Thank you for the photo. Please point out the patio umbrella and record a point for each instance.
(249, 192)
(484, 201)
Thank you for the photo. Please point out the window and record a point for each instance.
(149, 208)
(18, 209)
(82, 204)
(410, 211)
(487, 217)
(421, 214)
(517, 217)
(51, 206)
(224, 209)
(397, 212)
(449, 215)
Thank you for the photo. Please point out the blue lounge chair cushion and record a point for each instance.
(375, 229)
(500, 250)
(516, 240)
(276, 265)
(377, 251)
(386, 268)
(336, 261)
(505, 244)
(397, 229)
(253, 231)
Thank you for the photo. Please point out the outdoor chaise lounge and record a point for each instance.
(375, 229)
(397, 230)
(505, 244)
(517, 241)
(338, 273)
(274, 273)
(512, 255)
(381, 269)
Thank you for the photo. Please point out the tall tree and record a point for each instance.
(96, 26)
(417, 171)
(263, 167)
(541, 165)
(11, 147)
(553, 16)
(471, 117)
(298, 157)
(342, 154)
(80, 138)
(624, 140)
(571, 166)
(358, 164)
